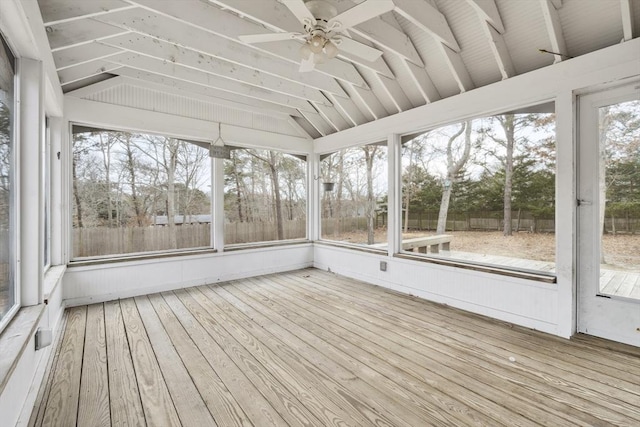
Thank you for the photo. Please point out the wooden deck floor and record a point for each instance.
(311, 348)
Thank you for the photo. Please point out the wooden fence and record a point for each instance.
(100, 241)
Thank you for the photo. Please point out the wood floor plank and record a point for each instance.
(311, 348)
(154, 395)
(410, 396)
(93, 408)
(496, 374)
(62, 405)
(481, 328)
(43, 394)
(569, 367)
(124, 396)
(257, 407)
(271, 385)
(608, 399)
(309, 384)
(215, 394)
(188, 402)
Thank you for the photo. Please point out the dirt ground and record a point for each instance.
(621, 250)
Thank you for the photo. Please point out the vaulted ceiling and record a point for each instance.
(432, 49)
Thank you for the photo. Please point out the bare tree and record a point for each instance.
(370, 206)
(454, 166)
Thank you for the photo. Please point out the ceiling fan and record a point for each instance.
(324, 30)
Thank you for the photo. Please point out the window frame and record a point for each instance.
(540, 276)
(131, 256)
(14, 223)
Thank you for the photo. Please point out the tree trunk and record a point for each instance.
(509, 129)
(276, 190)
(369, 155)
(106, 160)
(132, 175)
(236, 177)
(172, 147)
(76, 194)
(453, 168)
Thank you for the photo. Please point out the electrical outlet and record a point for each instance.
(383, 265)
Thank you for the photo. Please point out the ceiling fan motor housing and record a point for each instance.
(322, 12)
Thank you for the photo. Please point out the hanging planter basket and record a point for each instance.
(328, 186)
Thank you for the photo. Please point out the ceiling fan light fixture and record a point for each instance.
(316, 43)
(330, 49)
(305, 51)
(320, 58)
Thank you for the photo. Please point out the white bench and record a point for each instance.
(434, 243)
(420, 244)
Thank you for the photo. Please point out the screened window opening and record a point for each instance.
(137, 192)
(353, 195)
(483, 191)
(265, 196)
(8, 291)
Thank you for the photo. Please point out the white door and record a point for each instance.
(609, 214)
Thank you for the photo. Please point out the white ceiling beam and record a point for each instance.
(488, 11)
(389, 93)
(97, 87)
(557, 3)
(60, 11)
(483, 9)
(429, 19)
(627, 19)
(307, 127)
(202, 15)
(332, 116)
(172, 31)
(554, 29)
(457, 68)
(318, 122)
(385, 35)
(146, 46)
(189, 75)
(422, 82)
(88, 69)
(367, 101)
(209, 94)
(70, 34)
(77, 55)
(348, 109)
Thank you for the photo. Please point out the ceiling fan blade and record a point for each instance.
(358, 49)
(299, 9)
(307, 65)
(361, 13)
(270, 37)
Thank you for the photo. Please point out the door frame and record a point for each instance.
(597, 314)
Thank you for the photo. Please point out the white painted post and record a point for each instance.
(394, 192)
(313, 197)
(217, 202)
(56, 200)
(566, 212)
(30, 194)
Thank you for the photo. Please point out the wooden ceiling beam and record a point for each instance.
(422, 81)
(332, 116)
(88, 69)
(179, 72)
(554, 29)
(61, 11)
(319, 123)
(348, 109)
(627, 19)
(202, 15)
(385, 35)
(457, 68)
(488, 11)
(368, 102)
(165, 51)
(429, 19)
(65, 58)
(195, 39)
(491, 26)
(71, 34)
